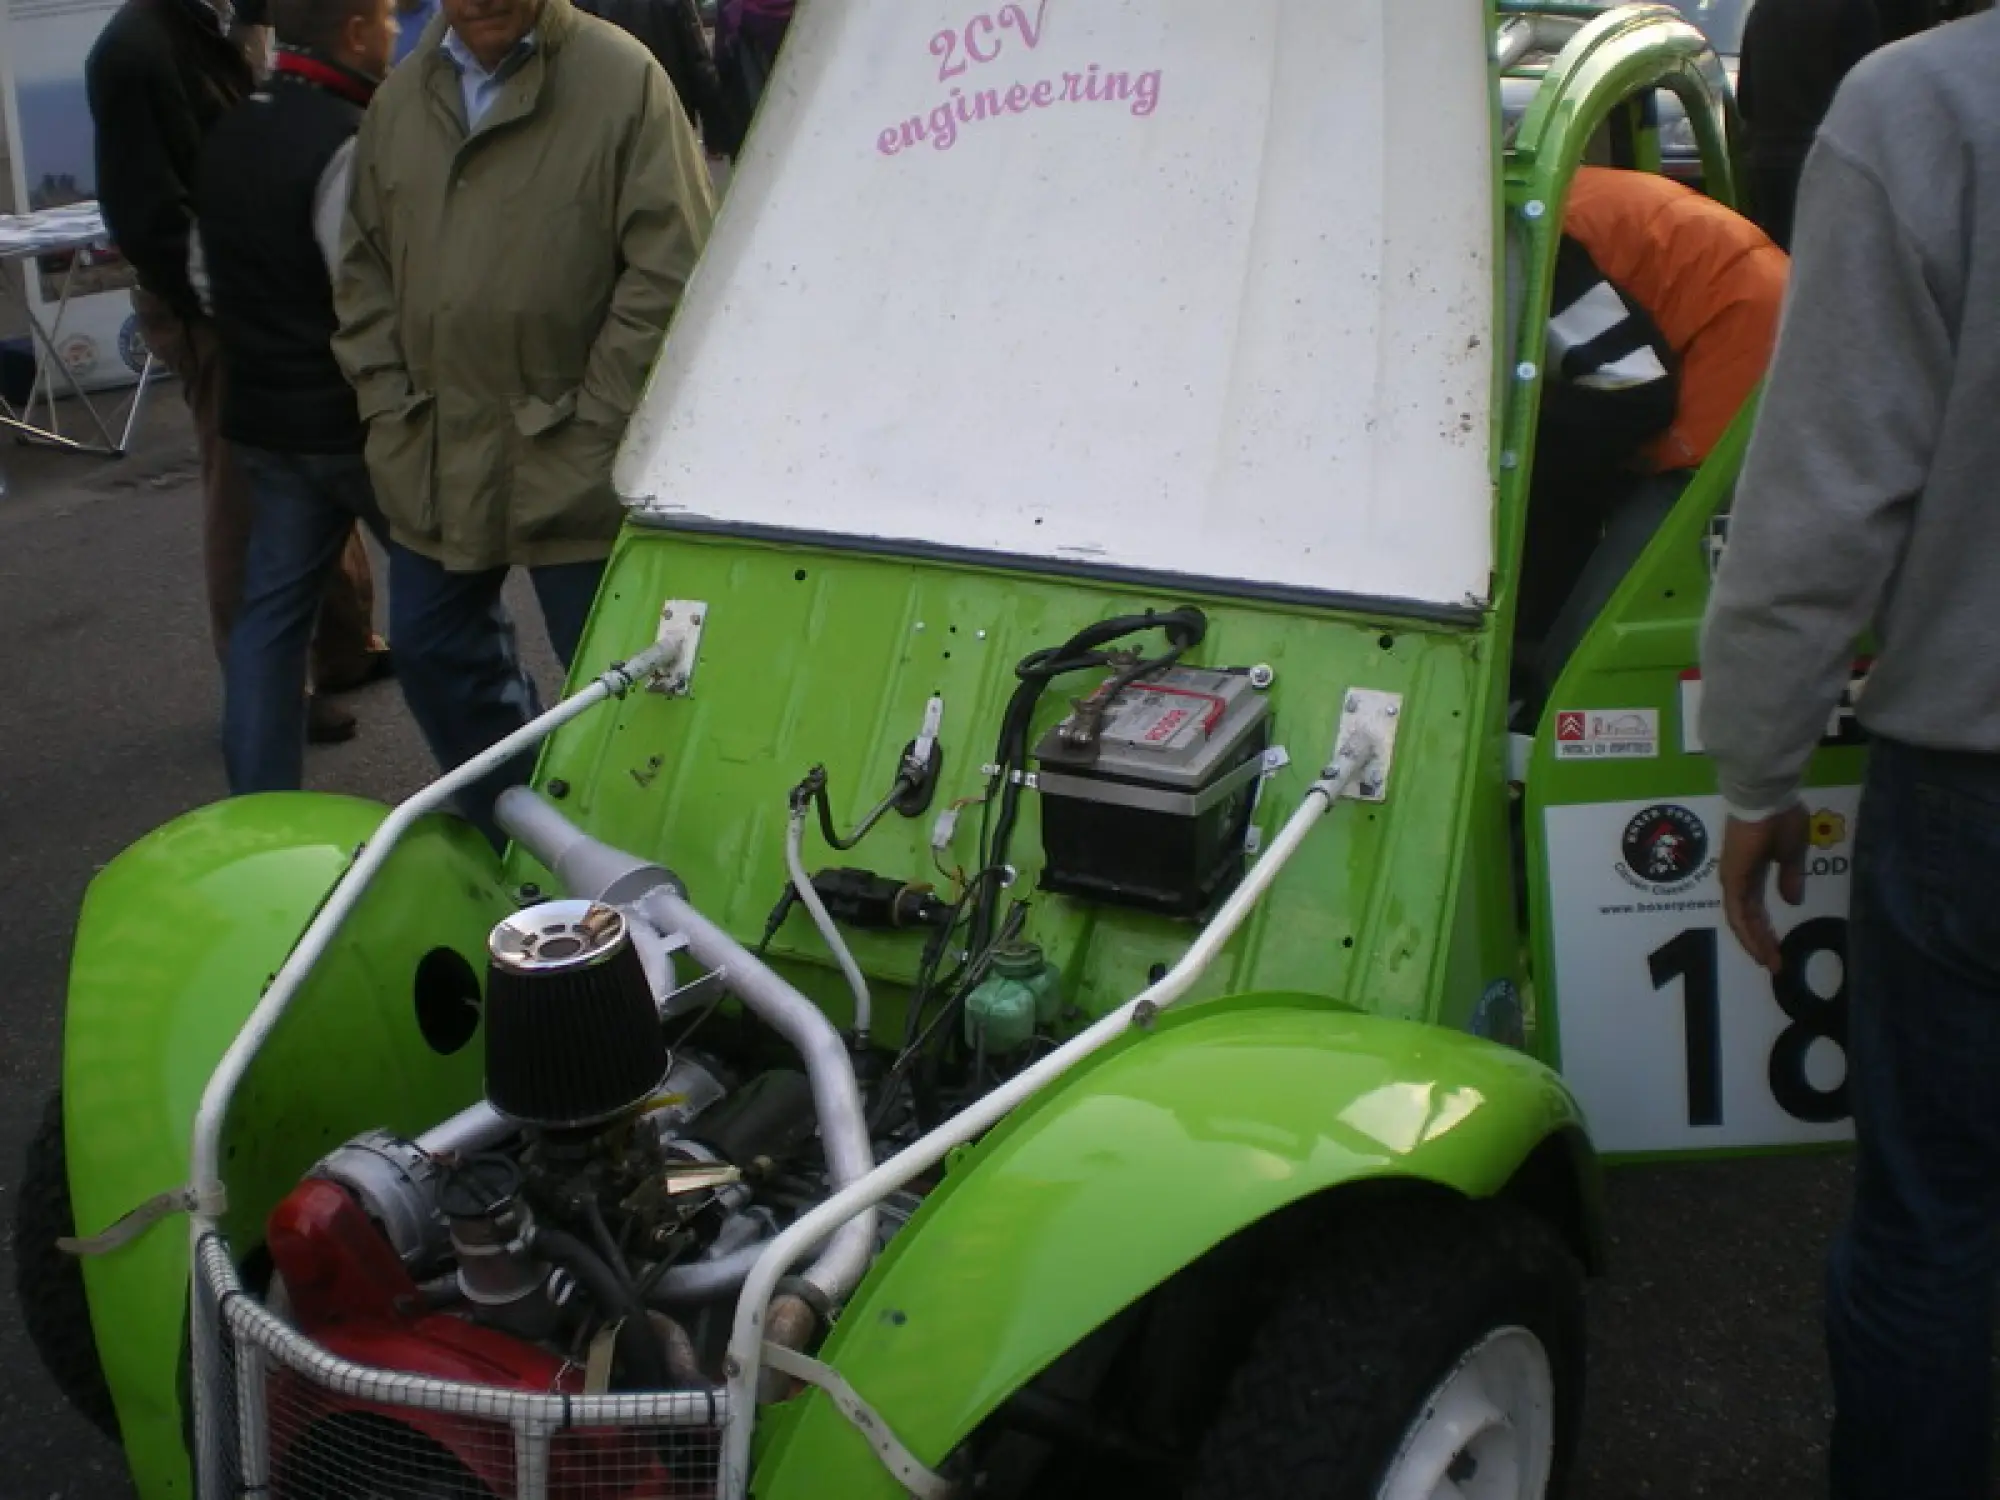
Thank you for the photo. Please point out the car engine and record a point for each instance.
(604, 1199)
(585, 1228)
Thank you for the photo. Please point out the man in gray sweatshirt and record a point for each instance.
(1871, 500)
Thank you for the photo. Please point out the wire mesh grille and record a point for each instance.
(278, 1417)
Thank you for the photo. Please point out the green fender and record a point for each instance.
(1102, 1188)
(177, 939)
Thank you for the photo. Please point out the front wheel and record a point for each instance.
(1426, 1352)
(49, 1283)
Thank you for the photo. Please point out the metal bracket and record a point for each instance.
(697, 992)
(1029, 779)
(1375, 716)
(1276, 758)
(681, 622)
(212, 1203)
(897, 1459)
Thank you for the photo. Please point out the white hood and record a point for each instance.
(1170, 286)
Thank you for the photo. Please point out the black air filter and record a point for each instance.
(572, 1034)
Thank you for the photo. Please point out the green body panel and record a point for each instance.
(700, 783)
(1135, 1166)
(1648, 636)
(178, 937)
(1621, 56)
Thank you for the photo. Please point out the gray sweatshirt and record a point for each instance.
(1871, 493)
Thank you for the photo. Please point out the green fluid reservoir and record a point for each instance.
(1022, 991)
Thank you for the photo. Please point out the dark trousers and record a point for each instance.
(305, 509)
(193, 351)
(1910, 1294)
(1774, 194)
(459, 660)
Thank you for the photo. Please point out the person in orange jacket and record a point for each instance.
(1712, 280)
(1657, 275)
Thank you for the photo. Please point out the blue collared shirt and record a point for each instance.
(413, 16)
(480, 87)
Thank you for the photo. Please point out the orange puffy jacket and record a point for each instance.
(1711, 280)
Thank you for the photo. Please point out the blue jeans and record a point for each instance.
(1910, 1290)
(459, 661)
(303, 509)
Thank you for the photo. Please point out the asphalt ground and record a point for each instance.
(1706, 1377)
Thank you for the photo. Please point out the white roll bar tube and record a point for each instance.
(795, 866)
(207, 1193)
(1357, 752)
(353, 885)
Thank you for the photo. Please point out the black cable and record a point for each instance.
(931, 1059)
(643, 1287)
(999, 811)
(639, 1348)
(919, 1001)
(1185, 628)
(600, 1236)
(813, 788)
(777, 918)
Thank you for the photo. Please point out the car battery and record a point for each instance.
(1146, 798)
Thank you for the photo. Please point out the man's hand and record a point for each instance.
(1748, 852)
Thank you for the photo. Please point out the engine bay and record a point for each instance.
(661, 1104)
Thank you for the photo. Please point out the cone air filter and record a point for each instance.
(572, 1033)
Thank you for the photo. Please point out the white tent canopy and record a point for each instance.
(1169, 286)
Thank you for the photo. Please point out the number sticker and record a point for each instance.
(1671, 1037)
(1814, 1017)
(1691, 959)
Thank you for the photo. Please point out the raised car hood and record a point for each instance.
(1176, 288)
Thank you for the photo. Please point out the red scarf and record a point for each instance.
(348, 84)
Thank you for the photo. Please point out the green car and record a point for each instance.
(1034, 962)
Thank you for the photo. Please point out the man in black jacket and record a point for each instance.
(160, 76)
(1795, 54)
(672, 31)
(271, 193)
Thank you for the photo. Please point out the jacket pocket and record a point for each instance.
(402, 462)
(562, 474)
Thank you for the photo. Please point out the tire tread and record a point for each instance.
(1360, 1318)
(48, 1284)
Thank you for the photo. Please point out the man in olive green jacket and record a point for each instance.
(528, 203)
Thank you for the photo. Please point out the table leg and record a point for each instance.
(44, 383)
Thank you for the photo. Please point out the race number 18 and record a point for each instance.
(1692, 957)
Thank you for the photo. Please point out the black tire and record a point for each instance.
(1362, 1335)
(49, 1284)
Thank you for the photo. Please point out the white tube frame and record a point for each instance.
(1357, 752)
(1359, 748)
(207, 1191)
(795, 864)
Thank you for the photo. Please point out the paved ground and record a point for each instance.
(1706, 1378)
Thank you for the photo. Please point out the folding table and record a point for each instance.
(76, 230)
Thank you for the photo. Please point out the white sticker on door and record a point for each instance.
(1607, 734)
(1672, 1039)
(1842, 727)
